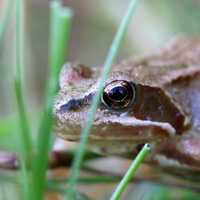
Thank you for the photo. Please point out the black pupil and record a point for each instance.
(118, 93)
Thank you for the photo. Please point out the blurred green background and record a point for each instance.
(94, 24)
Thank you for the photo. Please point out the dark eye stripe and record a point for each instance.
(72, 104)
(75, 104)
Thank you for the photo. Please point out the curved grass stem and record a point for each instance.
(131, 172)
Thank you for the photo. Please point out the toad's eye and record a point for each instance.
(118, 95)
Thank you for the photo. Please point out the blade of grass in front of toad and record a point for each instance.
(90, 119)
(59, 38)
(131, 172)
(24, 141)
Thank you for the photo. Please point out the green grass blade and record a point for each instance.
(59, 38)
(23, 177)
(131, 172)
(26, 140)
(105, 73)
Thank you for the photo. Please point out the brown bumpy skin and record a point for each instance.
(165, 111)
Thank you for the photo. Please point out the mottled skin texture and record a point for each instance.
(165, 111)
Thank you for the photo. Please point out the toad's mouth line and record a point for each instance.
(116, 129)
(143, 132)
(92, 138)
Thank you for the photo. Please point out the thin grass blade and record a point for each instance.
(90, 118)
(131, 172)
(26, 140)
(59, 38)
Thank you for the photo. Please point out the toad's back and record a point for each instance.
(159, 104)
(176, 68)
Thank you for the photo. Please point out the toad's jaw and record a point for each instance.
(120, 129)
